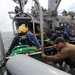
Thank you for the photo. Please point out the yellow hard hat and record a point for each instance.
(22, 28)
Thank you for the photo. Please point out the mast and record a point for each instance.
(57, 5)
(52, 5)
(21, 7)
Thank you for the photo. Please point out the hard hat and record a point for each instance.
(22, 28)
(58, 28)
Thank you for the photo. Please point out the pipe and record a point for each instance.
(25, 65)
(41, 24)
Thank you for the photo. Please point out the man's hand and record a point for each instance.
(43, 55)
(49, 62)
(47, 39)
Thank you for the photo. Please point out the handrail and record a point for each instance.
(57, 5)
(41, 24)
(26, 14)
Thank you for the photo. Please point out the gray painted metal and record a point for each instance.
(41, 24)
(2, 48)
(51, 5)
(59, 1)
(13, 19)
(25, 65)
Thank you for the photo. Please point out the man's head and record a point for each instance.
(57, 29)
(59, 43)
(22, 30)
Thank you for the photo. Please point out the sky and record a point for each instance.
(9, 5)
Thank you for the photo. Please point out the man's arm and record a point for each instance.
(34, 39)
(59, 56)
(14, 42)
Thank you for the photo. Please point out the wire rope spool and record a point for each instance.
(23, 49)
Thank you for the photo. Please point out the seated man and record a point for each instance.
(66, 52)
(24, 37)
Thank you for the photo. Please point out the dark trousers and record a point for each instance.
(71, 64)
(50, 51)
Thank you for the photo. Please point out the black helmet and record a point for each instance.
(58, 28)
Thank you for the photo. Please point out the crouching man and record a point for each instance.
(65, 52)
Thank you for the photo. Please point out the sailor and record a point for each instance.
(24, 37)
(65, 50)
(60, 33)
